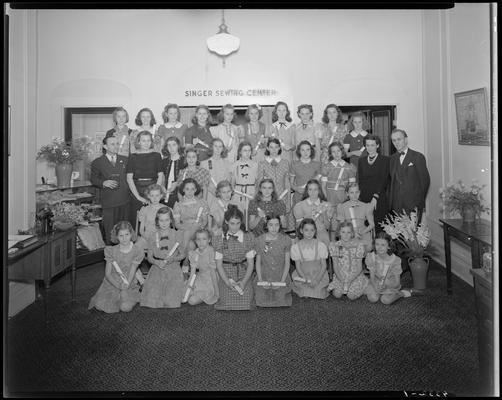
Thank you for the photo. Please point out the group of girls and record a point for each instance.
(219, 198)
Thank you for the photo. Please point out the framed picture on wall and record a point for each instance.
(473, 122)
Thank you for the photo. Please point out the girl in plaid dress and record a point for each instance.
(195, 171)
(234, 254)
(163, 287)
(310, 277)
(276, 168)
(347, 255)
(114, 294)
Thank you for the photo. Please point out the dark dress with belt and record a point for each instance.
(166, 165)
(145, 168)
(374, 179)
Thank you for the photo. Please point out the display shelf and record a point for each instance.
(52, 188)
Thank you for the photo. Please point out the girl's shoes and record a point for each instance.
(406, 292)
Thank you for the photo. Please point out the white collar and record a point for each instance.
(109, 156)
(340, 163)
(405, 151)
(288, 124)
(178, 124)
(310, 202)
(270, 159)
(308, 162)
(240, 236)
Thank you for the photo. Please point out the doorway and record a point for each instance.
(380, 122)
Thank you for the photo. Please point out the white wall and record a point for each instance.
(456, 59)
(142, 58)
(22, 99)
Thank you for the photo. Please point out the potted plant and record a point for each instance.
(63, 155)
(467, 201)
(66, 215)
(415, 240)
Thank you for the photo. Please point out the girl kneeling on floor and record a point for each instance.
(119, 290)
(347, 255)
(385, 272)
(310, 277)
(163, 287)
(203, 281)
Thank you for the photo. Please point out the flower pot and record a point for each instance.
(63, 174)
(468, 214)
(419, 267)
(63, 226)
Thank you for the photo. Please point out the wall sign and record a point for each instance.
(231, 93)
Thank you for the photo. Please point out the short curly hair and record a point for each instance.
(119, 226)
(181, 189)
(340, 146)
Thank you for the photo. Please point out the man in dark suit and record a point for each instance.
(409, 176)
(108, 173)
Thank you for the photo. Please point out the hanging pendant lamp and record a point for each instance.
(223, 43)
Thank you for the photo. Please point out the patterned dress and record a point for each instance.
(303, 172)
(201, 175)
(361, 212)
(230, 134)
(337, 176)
(347, 262)
(177, 130)
(244, 175)
(187, 211)
(285, 132)
(328, 136)
(256, 138)
(108, 298)
(384, 270)
(272, 255)
(270, 208)
(206, 280)
(320, 212)
(234, 255)
(355, 143)
(122, 134)
(163, 288)
(310, 259)
(277, 170)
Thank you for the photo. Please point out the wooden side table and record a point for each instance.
(52, 254)
(478, 236)
(483, 287)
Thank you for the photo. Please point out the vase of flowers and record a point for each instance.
(461, 199)
(415, 240)
(63, 155)
(67, 215)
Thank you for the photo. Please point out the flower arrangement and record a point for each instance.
(83, 145)
(457, 196)
(404, 229)
(68, 213)
(59, 152)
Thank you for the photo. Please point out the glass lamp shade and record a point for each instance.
(223, 44)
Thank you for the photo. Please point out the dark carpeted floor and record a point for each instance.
(424, 342)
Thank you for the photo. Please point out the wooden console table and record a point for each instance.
(52, 254)
(478, 236)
